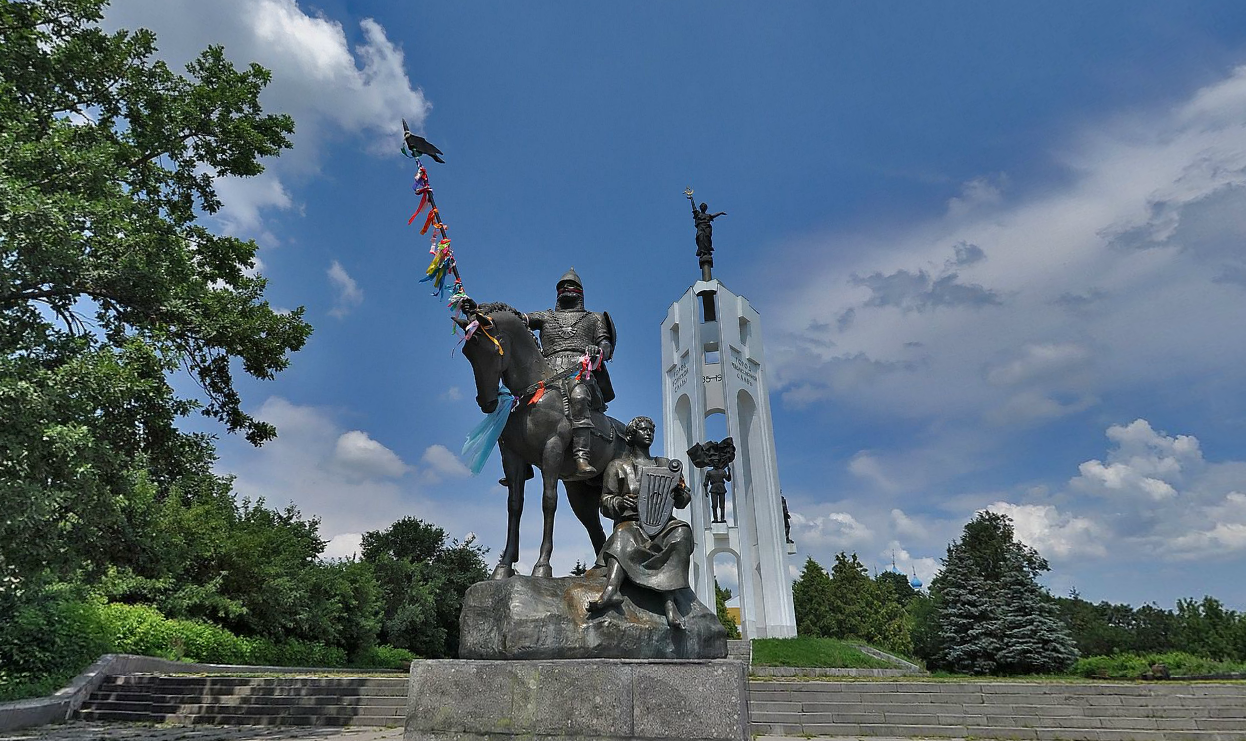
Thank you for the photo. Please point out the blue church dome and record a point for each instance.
(915, 582)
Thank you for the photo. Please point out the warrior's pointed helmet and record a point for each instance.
(571, 279)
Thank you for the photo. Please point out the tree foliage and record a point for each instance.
(991, 613)
(811, 594)
(422, 578)
(848, 604)
(721, 595)
(899, 584)
(109, 283)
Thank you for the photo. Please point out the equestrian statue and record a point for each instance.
(560, 389)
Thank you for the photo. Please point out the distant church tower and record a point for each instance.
(712, 364)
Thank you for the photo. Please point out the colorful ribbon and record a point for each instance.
(483, 438)
(588, 363)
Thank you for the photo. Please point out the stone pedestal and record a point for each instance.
(597, 699)
(545, 618)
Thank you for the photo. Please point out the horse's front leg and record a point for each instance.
(516, 473)
(551, 465)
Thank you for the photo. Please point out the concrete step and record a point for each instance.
(1073, 712)
(337, 701)
(243, 697)
(1046, 710)
(999, 721)
(202, 705)
(231, 719)
(395, 687)
(1039, 733)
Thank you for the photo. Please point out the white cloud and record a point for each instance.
(349, 294)
(345, 545)
(1161, 496)
(866, 466)
(833, 531)
(1124, 276)
(359, 454)
(1145, 463)
(242, 200)
(334, 91)
(905, 525)
(1038, 361)
(977, 193)
(355, 484)
(1054, 534)
(442, 464)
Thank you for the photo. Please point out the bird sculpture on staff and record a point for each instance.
(419, 145)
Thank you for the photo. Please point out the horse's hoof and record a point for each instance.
(503, 571)
(543, 570)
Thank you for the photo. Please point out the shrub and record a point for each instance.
(137, 629)
(384, 657)
(1131, 666)
(50, 638)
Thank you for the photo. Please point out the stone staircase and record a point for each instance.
(309, 701)
(1008, 710)
(1162, 711)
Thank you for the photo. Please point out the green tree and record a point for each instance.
(1034, 641)
(721, 595)
(1154, 630)
(1098, 629)
(993, 617)
(899, 585)
(1206, 628)
(422, 579)
(924, 631)
(811, 598)
(109, 283)
(854, 602)
(892, 627)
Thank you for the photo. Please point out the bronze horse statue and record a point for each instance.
(538, 432)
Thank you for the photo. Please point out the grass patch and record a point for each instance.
(806, 651)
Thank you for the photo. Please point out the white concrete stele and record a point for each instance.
(712, 364)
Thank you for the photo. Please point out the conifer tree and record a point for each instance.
(856, 603)
(811, 599)
(721, 595)
(993, 616)
(1033, 638)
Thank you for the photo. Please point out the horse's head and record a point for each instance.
(486, 351)
(501, 344)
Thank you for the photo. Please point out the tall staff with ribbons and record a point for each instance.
(480, 442)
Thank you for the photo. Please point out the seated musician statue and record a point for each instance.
(649, 546)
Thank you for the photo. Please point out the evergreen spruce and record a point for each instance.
(969, 631)
(1034, 640)
(992, 615)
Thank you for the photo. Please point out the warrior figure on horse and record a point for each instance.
(558, 425)
(572, 336)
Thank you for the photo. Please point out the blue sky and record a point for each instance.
(997, 251)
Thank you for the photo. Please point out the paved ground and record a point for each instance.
(83, 731)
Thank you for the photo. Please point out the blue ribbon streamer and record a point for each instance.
(482, 439)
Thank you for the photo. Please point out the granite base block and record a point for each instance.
(587, 699)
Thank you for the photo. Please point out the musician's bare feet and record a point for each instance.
(608, 598)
